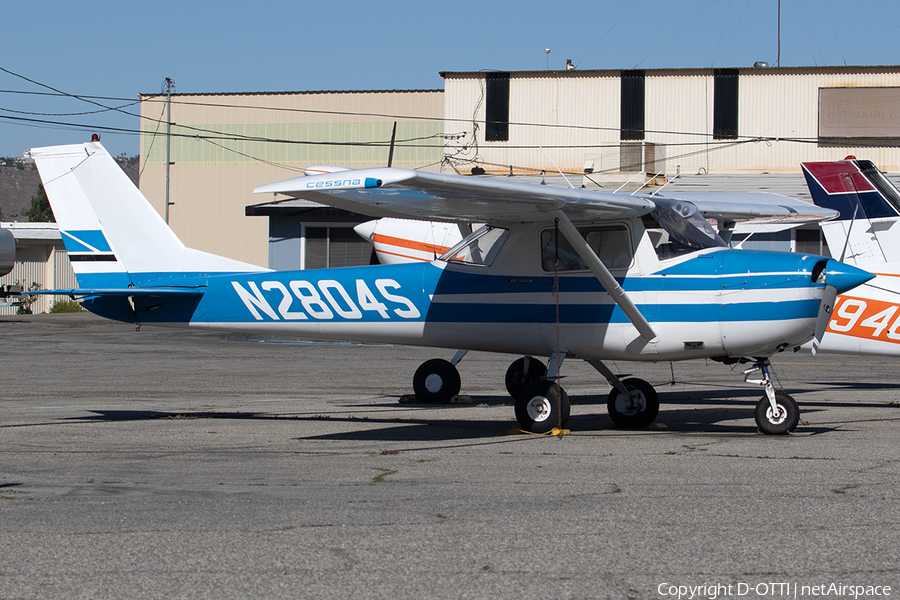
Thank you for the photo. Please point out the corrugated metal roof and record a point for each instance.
(679, 71)
(33, 231)
(289, 93)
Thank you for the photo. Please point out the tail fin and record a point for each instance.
(114, 237)
(869, 206)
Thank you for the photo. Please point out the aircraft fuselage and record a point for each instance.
(711, 303)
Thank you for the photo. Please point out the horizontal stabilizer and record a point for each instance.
(133, 292)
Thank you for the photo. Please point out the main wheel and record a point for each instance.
(436, 380)
(636, 411)
(539, 408)
(517, 375)
(782, 422)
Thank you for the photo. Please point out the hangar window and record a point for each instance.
(631, 120)
(496, 109)
(334, 247)
(725, 104)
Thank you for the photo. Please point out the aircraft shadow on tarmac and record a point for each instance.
(697, 411)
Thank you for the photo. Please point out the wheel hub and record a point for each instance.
(776, 418)
(538, 409)
(631, 405)
(434, 383)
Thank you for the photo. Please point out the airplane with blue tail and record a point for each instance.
(553, 272)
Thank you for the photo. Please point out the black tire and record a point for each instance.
(539, 408)
(517, 377)
(436, 380)
(636, 412)
(785, 422)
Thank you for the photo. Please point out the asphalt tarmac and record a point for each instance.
(174, 464)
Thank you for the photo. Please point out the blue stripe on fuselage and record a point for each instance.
(403, 293)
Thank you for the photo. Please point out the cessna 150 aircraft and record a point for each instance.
(554, 272)
(865, 234)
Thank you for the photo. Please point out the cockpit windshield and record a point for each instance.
(478, 248)
(676, 228)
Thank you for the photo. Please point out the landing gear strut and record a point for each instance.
(776, 413)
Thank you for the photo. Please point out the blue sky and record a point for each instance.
(123, 48)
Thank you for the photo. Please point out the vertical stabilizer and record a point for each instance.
(866, 230)
(113, 236)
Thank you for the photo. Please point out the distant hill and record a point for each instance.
(19, 186)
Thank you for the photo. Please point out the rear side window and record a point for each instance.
(611, 244)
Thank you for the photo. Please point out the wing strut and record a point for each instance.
(600, 271)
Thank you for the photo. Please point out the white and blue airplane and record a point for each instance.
(554, 272)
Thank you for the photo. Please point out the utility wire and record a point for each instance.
(676, 33)
(608, 31)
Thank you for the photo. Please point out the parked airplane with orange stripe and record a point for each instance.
(398, 241)
(865, 234)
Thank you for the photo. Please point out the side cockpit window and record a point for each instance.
(612, 244)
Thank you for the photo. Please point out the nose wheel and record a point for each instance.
(780, 419)
(776, 413)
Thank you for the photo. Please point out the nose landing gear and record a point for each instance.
(776, 413)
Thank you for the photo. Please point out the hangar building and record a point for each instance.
(224, 145)
(716, 129)
(746, 128)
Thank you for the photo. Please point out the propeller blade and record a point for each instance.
(825, 308)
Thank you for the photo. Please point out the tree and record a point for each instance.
(40, 211)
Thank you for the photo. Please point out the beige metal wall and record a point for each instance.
(224, 145)
(571, 116)
(41, 262)
(575, 115)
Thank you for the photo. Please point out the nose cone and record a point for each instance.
(367, 230)
(845, 277)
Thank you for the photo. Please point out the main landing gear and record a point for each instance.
(632, 403)
(437, 380)
(542, 404)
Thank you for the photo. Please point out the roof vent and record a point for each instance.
(760, 64)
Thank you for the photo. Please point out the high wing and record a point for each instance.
(391, 192)
(744, 206)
